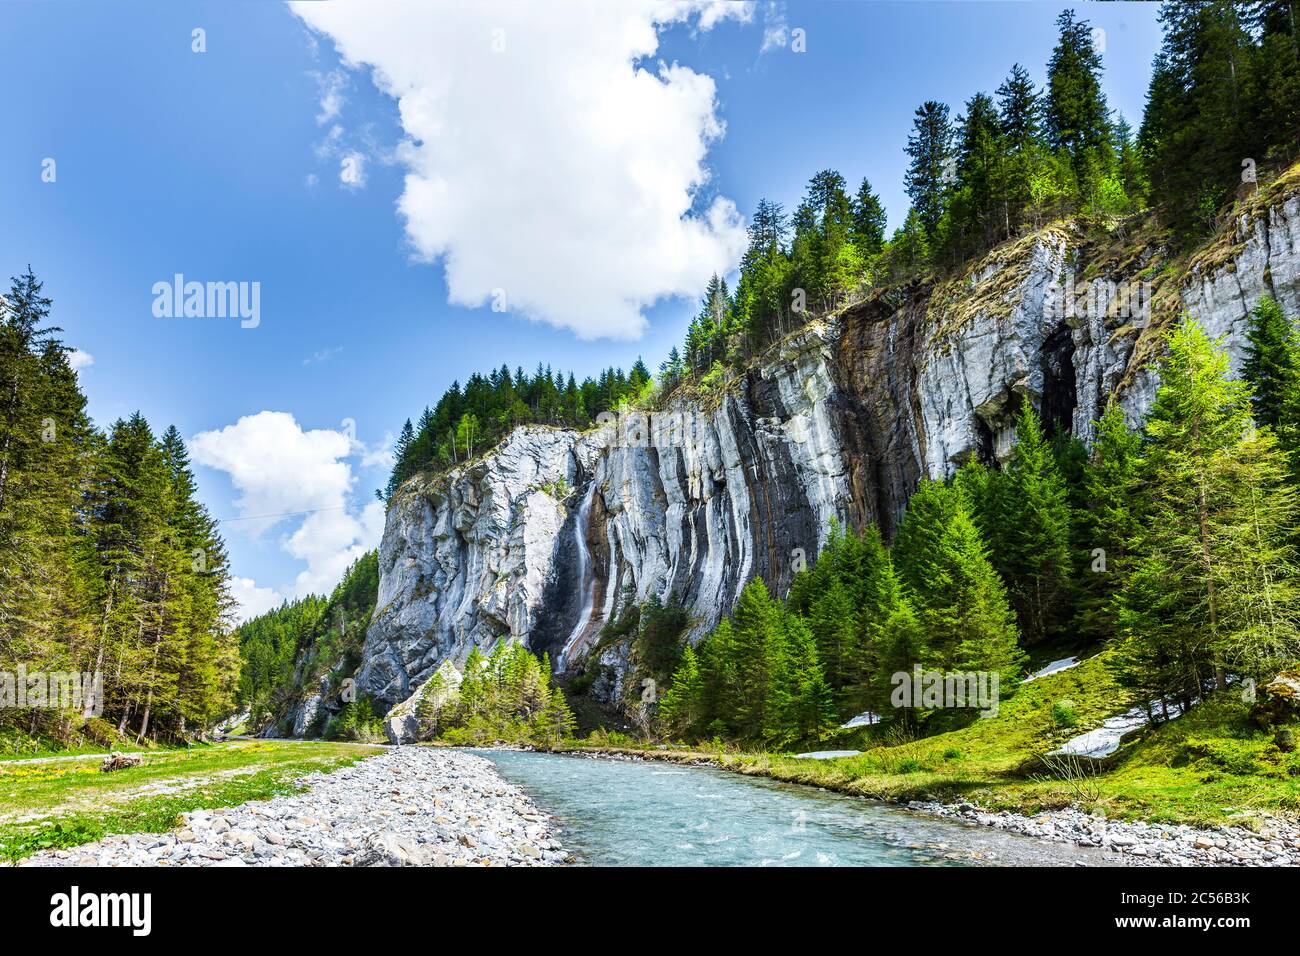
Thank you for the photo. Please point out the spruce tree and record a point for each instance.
(1033, 550)
(929, 148)
(1076, 114)
(961, 604)
(1111, 523)
(1272, 368)
(869, 221)
(1213, 584)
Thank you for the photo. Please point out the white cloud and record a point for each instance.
(321, 355)
(567, 170)
(79, 360)
(378, 455)
(776, 32)
(286, 474)
(332, 99)
(251, 600)
(352, 170)
(329, 541)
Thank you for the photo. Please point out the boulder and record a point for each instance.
(1278, 701)
(392, 849)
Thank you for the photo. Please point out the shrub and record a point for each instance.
(1064, 713)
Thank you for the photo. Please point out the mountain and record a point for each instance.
(555, 532)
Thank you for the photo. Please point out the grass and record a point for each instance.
(63, 734)
(1211, 766)
(65, 803)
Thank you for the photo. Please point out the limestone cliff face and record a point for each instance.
(695, 500)
(554, 532)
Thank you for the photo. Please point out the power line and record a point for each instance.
(285, 514)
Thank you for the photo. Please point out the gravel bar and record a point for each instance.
(410, 806)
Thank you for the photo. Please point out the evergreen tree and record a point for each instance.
(1213, 586)
(1272, 368)
(1111, 522)
(869, 221)
(1019, 110)
(1033, 548)
(1077, 118)
(960, 602)
(929, 148)
(758, 654)
(979, 206)
(682, 707)
(1193, 136)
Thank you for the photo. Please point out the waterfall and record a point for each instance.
(584, 570)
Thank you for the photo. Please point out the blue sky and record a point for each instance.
(547, 166)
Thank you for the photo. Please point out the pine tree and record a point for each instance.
(681, 709)
(1213, 584)
(960, 602)
(1076, 114)
(869, 221)
(1111, 522)
(809, 702)
(978, 206)
(1019, 110)
(1272, 368)
(1033, 549)
(929, 148)
(757, 654)
(1193, 136)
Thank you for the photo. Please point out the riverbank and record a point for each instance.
(65, 801)
(1260, 840)
(409, 806)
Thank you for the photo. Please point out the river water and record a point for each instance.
(649, 813)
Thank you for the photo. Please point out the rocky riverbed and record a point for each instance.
(410, 806)
(1277, 842)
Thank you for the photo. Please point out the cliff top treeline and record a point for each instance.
(1223, 106)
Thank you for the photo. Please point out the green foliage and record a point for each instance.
(779, 674)
(506, 697)
(965, 621)
(108, 563)
(757, 678)
(1223, 91)
(467, 421)
(929, 149)
(1272, 368)
(1025, 516)
(288, 650)
(357, 722)
(659, 646)
(1109, 523)
(1064, 713)
(1213, 581)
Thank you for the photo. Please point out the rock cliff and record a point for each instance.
(838, 421)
